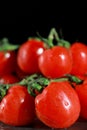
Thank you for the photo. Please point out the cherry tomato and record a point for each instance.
(82, 93)
(79, 56)
(55, 62)
(82, 77)
(17, 107)
(8, 79)
(85, 80)
(58, 105)
(7, 62)
(28, 55)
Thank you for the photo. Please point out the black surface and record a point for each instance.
(39, 126)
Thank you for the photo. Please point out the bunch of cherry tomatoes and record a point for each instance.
(40, 79)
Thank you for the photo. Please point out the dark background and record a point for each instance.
(23, 20)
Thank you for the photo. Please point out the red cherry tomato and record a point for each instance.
(28, 55)
(58, 105)
(17, 107)
(7, 62)
(55, 62)
(82, 93)
(8, 79)
(85, 80)
(82, 77)
(79, 56)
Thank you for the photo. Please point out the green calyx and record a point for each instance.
(37, 82)
(5, 45)
(3, 90)
(74, 79)
(34, 82)
(64, 43)
(54, 36)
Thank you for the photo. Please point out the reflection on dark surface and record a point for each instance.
(37, 125)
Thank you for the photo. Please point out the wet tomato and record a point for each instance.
(55, 62)
(28, 55)
(17, 107)
(58, 105)
(79, 56)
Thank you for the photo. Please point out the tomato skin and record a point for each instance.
(8, 79)
(20, 73)
(79, 56)
(55, 62)
(82, 94)
(85, 80)
(55, 106)
(7, 62)
(28, 55)
(17, 107)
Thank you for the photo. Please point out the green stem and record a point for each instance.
(5, 45)
(37, 82)
(48, 42)
(73, 78)
(28, 79)
(3, 90)
(64, 43)
(53, 34)
(33, 82)
(59, 79)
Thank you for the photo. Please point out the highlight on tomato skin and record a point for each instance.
(58, 106)
(8, 79)
(17, 107)
(28, 55)
(7, 62)
(55, 62)
(79, 57)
